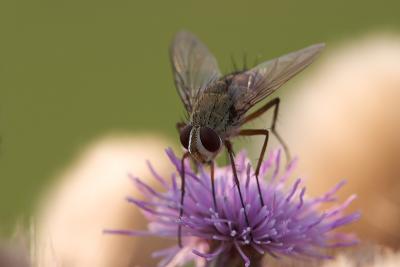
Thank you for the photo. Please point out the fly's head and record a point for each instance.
(202, 142)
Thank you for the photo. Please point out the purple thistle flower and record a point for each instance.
(288, 224)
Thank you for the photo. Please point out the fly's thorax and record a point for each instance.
(204, 144)
(214, 110)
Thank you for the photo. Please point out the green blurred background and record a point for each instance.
(74, 70)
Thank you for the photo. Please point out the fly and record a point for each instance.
(218, 105)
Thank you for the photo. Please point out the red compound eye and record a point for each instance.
(210, 139)
(185, 136)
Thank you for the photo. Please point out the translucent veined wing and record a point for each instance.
(252, 86)
(193, 65)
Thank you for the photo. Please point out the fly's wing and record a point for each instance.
(194, 67)
(252, 86)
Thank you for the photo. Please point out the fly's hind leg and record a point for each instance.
(274, 103)
(228, 146)
(252, 132)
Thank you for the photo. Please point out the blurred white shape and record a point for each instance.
(361, 256)
(377, 257)
(90, 197)
(344, 122)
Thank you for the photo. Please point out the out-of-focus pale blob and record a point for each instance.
(362, 256)
(90, 197)
(385, 259)
(344, 122)
(366, 256)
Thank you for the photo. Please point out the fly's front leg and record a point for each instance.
(179, 126)
(182, 196)
(274, 103)
(252, 132)
(212, 185)
(228, 146)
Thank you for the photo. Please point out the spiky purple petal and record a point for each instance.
(288, 224)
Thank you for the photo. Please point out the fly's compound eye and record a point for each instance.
(210, 139)
(185, 136)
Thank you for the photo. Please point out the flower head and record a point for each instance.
(288, 224)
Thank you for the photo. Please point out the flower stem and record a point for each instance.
(234, 259)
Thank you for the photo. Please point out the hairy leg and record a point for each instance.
(212, 184)
(228, 146)
(252, 132)
(274, 103)
(182, 196)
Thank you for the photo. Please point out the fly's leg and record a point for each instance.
(179, 126)
(252, 132)
(274, 103)
(228, 146)
(212, 185)
(182, 196)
